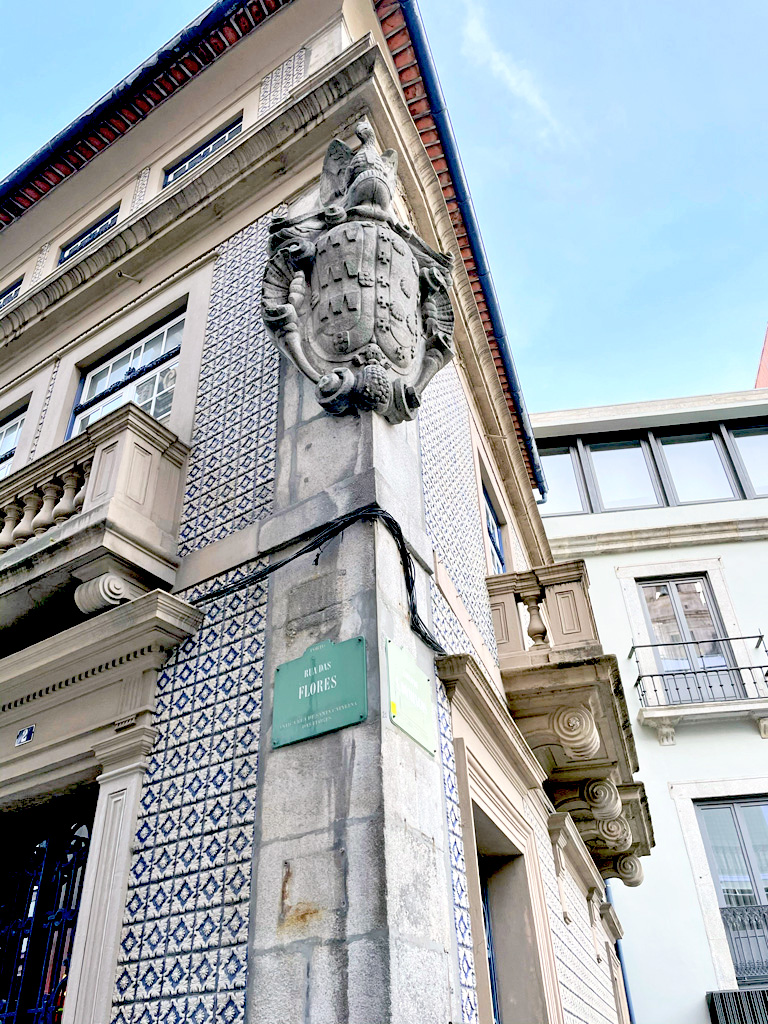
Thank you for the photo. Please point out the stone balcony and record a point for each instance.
(566, 697)
(93, 522)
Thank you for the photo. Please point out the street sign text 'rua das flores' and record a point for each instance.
(323, 690)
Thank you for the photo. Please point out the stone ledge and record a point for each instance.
(666, 719)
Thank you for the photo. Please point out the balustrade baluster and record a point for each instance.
(80, 496)
(66, 506)
(12, 514)
(44, 519)
(23, 531)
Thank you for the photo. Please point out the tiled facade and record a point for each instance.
(278, 83)
(453, 518)
(585, 984)
(232, 466)
(183, 950)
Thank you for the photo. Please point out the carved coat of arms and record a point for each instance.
(354, 298)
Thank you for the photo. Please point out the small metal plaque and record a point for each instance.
(411, 705)
(24, 735)
(325, 689)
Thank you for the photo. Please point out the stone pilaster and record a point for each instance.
(351, 910)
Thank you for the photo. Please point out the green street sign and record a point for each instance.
(411, 704)
(325, 689)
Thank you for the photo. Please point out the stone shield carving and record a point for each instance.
(356, 300)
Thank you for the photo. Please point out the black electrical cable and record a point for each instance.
(365, 514)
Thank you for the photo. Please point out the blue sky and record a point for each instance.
(616, 154)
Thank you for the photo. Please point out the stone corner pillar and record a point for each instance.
(352, 918)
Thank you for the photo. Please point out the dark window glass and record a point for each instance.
(752, 443)
(564, 494)
(493, 528)
(198, 155)
(696, 468)
(10, 294)
(84, 239)
(622, 475)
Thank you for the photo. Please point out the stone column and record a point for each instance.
(351, 909)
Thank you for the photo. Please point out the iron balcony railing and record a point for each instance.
(700, 671)
(747, 932)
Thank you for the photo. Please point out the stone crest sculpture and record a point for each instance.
(354, 298)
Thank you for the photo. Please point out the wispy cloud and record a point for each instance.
(480, 48)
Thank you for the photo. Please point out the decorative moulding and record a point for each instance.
(674, 536)
(667, 718)
(90, 693)
(480, 705)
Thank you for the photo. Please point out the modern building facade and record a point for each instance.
(299, 718)
(667, 502)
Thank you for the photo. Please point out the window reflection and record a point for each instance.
(753, 448)
(696, 468)
(622, 475)
(564, 495)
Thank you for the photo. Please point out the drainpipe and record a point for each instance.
(620, 956)
(439, 113)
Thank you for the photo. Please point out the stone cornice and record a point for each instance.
(146, 628)
(241, 172)
(483, 708)
(723, 531)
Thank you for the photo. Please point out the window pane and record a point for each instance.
(753, 448)
(173, 336)
(756, 821)
(563, 495)
(153, 348)
(97, 383)
(622, 475)
(697, 471)
(730, 864)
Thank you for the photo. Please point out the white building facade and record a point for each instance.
(667, 502)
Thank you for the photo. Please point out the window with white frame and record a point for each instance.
(205, 149)
(10, 293)
(9, 438)
(143, 372)
(89, 235)
(735, 834)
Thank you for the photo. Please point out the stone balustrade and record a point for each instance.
(106, 501)
(556, 621)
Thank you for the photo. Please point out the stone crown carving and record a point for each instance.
(352, 297)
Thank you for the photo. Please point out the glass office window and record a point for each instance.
(696, 468)
(144, 373)
(564, 495)
(752, 443)
(622, 475)
(9, 438)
